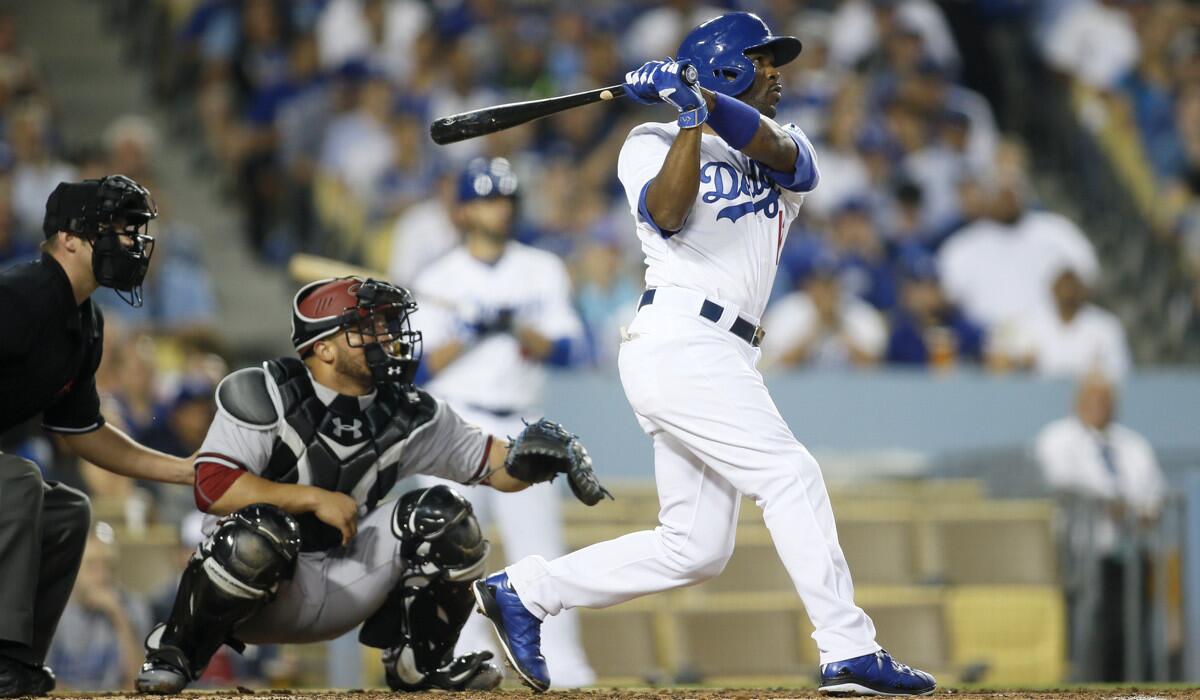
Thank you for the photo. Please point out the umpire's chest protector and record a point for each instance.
(357, 452)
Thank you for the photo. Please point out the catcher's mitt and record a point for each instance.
(544, 450)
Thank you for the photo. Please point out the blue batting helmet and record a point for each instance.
(485, 177)
(718, 50)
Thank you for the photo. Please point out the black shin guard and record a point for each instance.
(233, 575)
(419, 623)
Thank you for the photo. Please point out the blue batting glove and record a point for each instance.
(639, 84)
(672, 88)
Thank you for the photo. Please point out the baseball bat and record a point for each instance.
(306, 268)
(468, 125)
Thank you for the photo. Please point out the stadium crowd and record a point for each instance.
(317, 111)
(925, 245)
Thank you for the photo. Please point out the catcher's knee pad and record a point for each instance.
(252, 550)
(440, 535)
(235, 572)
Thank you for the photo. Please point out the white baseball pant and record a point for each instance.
(696, 391)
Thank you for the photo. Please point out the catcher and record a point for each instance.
(292, 472)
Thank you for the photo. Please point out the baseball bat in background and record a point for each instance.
(468, 125)
(305, 268)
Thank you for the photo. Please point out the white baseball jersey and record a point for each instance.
(695, 389)
(729, 246)
(459, 290)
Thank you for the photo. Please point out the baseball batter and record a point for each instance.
(494, 313)
(713, 195)
(298, 459)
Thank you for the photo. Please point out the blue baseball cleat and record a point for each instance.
(520, 632)
(874, 674)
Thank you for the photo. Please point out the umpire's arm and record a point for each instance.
(114, 451)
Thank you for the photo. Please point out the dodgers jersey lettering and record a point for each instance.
(730, 243)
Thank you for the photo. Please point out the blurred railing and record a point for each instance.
(1096, 540)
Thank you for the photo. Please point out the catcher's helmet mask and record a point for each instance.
(102, 212)
(719, 46)
(374, 315)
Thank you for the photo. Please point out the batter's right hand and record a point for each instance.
(339, 511)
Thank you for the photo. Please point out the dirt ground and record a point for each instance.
(1125, 693)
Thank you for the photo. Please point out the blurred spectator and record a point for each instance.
(422, 234)
(821, 325)
(927, 329)
(285, 124)
(1074, 338)
(1091, 457)
(14, 248)
(864, 268)
(1000, 268)
(187, 414)
(1094, 41)
(358, 147)
(843, 171)
(379, 33)
(860, 27)
(99, 640)
(606, 295)
(131, 142)
(657, 32)
(37, 171)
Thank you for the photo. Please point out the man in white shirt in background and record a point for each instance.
(493, 312)
(1000, 268)
(1074, 338)
(1089, 456)
(820, 325)
(1095, 42)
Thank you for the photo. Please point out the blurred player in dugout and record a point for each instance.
(494, 313)
(50, 344)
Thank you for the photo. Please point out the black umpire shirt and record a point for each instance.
(49, 350)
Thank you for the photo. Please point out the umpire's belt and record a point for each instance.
(690, 301)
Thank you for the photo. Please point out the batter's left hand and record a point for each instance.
(639, 83)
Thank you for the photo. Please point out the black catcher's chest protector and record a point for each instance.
(339, 447)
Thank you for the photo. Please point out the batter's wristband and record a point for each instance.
(693, 118)
(733, 120)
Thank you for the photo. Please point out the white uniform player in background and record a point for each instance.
(713, 195)
(494, 311)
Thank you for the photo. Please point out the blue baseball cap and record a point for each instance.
(487, 177)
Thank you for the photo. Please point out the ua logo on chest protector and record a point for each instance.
(340, 427)
(727, 182)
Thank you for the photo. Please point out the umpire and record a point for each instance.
(50, 343)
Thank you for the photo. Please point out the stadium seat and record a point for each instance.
(993, 542)
(910, 621)
(1018, 632)
(629, 643)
